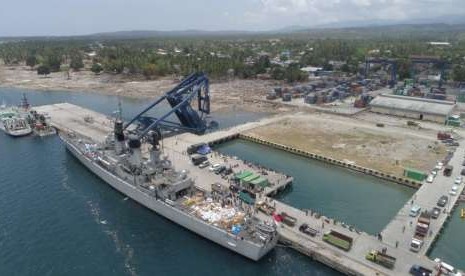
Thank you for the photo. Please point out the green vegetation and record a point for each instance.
(267, 56)
(43, 70)
(96, 68)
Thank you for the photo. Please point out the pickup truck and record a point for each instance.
(417, 270)
(381, 259)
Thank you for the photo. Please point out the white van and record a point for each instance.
(415, 211)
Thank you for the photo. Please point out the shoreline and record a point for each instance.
(237, 94)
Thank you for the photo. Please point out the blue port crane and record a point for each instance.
(193, 87)
(383, 61)
(428, 60)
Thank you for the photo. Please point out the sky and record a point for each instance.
(77, 17)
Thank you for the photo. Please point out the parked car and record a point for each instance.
(462, 172)
(417, 270)
(214, 167)
(435, 212)
(204, 164)
(414, 211)
(442, 201)
(439, 166)
(220, 169)
(226, 172)
(463, 163)
(304, 228)
(430, 178)
(458, 180)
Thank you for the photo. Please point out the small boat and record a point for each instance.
(462, 213)
(15, 126)
(14, 122)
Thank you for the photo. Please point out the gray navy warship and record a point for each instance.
(154, 183)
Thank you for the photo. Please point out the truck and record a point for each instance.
(304, 228)
(423, 223)
(417, 270)
(416, 243)
(381, 258)
(265, 208)
(288, 220)
(421, 230)
(338, 240)
(444, 136)
(448, 170)
(198, 159)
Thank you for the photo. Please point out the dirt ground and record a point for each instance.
(387, 149)
(226, 95)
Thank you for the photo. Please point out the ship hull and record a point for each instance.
(16, 133)
(219, 236)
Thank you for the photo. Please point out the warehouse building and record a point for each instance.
(415, 108)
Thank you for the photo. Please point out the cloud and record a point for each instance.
(276, 13)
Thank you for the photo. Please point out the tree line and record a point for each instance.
(279, 59)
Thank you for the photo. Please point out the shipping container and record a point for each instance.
(311, 99)
(453, 123)
(461, 96)
(415, 174)
(287, 97)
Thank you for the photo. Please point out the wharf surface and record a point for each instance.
(68, 117)
(401, 229)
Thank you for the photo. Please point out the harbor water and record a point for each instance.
(365, 202)
(57, 218)
(328, 190)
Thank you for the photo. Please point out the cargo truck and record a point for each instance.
(338, 240)
(421, 231)
(288, 220)
(265, 208)
(448, 170)
(381, 259)
(423, 223)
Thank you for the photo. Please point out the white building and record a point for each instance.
(411, 107)
(436, 43)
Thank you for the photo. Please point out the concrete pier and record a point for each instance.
(395, 240)
(402, 227)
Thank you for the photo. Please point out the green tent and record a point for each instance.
(250, 178)
(246, 197)
(243, 174)
(261, 181)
